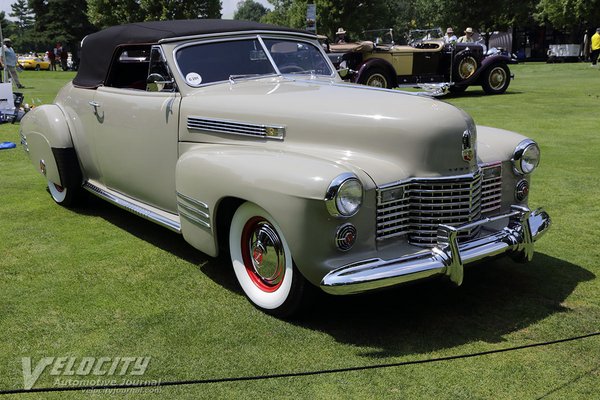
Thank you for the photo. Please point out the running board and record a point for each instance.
(144, 211)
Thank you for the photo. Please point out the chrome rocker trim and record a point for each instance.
(136, 209)
(448, 257)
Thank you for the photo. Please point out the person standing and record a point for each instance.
(52, 59)
(64, 58)
(595, 47)
(9, 61)
(468, 37)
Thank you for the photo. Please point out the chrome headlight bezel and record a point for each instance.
(341, 194)
(526, 157)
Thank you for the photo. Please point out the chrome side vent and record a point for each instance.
(193, 210)
(236, 127)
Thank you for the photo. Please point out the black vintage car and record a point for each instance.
(426, 59)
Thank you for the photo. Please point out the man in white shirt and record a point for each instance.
(9, 61)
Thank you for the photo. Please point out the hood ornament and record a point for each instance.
(469, 139)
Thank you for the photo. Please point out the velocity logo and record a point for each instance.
(71, 367)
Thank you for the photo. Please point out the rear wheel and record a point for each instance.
(262, 262)
(496, 79)
(377, 77)
(65, 196)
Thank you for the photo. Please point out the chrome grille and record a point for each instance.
(491, 188)
(417, 207)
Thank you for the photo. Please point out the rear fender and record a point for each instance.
(47, 141)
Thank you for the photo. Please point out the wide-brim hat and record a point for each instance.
(469, 30)
(340, 31)
(449, 30)
(7, 40)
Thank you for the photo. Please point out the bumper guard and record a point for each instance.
(447, 257)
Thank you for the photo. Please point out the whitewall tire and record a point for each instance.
(262, 261)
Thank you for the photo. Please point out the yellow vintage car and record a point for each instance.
(35, 63)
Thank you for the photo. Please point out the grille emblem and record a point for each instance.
(468, 146)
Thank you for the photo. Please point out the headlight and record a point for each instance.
(526, 157)
(344, 195)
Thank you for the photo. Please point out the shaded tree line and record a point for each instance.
(402, 15)
(37, 25)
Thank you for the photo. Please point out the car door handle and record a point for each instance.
(94, 104)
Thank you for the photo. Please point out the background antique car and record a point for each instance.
(378, 61)
(35, 63)
(242, 137)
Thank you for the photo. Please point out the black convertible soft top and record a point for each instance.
(98, 48)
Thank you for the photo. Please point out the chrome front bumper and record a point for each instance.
(448, 257)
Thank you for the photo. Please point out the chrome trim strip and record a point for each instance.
(125, 204)
(197, 203)
(262, 131)
(447, 258)
(194, 211)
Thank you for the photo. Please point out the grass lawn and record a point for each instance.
(100, 282)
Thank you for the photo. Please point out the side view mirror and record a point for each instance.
(156, 82)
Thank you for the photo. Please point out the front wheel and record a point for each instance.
(262, 262)
(496, 79)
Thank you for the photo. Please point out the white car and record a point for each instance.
(243, 138)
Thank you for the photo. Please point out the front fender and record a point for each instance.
(290, 186)
(45, 134)
(487, 63)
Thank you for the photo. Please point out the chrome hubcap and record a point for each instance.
(266, 253)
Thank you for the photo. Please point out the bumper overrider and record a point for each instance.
(447, 257)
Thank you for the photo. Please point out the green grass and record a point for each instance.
(98, 281)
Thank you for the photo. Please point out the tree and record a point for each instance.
(250, 10)
(22, 13)
(62, 21)
(105, 13)
(568, 14)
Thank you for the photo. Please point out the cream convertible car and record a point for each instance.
(242, 137)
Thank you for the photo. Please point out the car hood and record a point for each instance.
(391, 135)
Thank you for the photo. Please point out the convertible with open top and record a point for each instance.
(242, 137)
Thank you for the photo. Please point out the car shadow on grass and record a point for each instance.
(497, 298)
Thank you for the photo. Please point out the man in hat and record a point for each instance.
(340, 36)
(595, 47)
(450, 37)
(9, 61)
(468, 37)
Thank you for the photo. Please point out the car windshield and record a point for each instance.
(417, 35)
(379, 36)
(220, 61)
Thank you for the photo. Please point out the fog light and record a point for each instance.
(345, 237)
(522, 190)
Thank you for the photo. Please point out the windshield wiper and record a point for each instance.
(234, 78)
